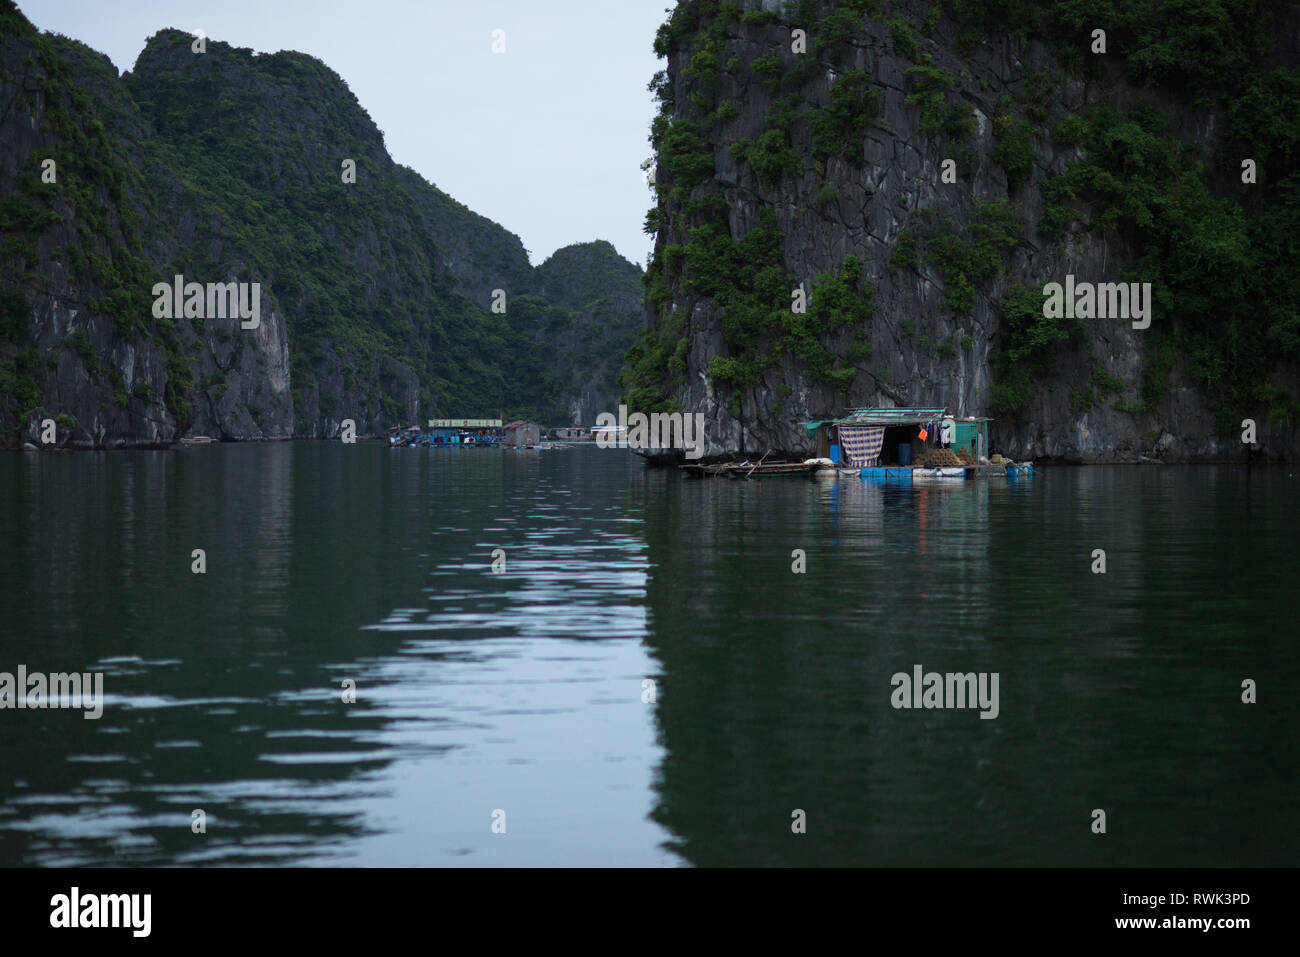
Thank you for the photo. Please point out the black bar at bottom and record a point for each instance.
(333, 906)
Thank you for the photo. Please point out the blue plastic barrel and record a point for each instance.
(835, 454)
(905, 453)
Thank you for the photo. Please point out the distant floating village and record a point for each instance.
(487, 433)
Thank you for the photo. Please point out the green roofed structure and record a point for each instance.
(893, 416)
(464, 423)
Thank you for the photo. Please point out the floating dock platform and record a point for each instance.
(946, 473)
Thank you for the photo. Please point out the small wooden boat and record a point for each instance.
(409, 437)
(775, 470)
(197, 440)
(759, 469)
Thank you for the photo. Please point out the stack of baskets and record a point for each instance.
(937, 458)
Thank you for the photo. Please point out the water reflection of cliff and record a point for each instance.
(775, 686)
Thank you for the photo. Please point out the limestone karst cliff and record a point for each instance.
(229, 166)
(921, 169)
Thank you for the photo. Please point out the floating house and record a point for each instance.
(464, 432)
(867, 438)
(903, 444)
(521, 434)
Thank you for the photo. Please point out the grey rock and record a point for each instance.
(897, 188)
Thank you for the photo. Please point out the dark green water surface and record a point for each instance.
(522, 691)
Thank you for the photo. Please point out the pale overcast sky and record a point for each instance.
(546, 139)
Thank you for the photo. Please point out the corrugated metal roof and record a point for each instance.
(893, 416)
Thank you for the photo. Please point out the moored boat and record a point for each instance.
(759, 469)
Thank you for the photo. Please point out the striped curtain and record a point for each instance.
(861, 443)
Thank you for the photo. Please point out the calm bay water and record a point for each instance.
(522, 691)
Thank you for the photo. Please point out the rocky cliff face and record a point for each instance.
(824, 168)
(602, 291)
(376, 288)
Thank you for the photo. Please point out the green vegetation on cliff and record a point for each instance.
(1221, 264)
(85, 204)
(299, 225)
(1200, 45)
(1218, 251)
(965, 263)
(231, 166)
(745, 276)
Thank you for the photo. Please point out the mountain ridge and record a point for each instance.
(229, 166)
